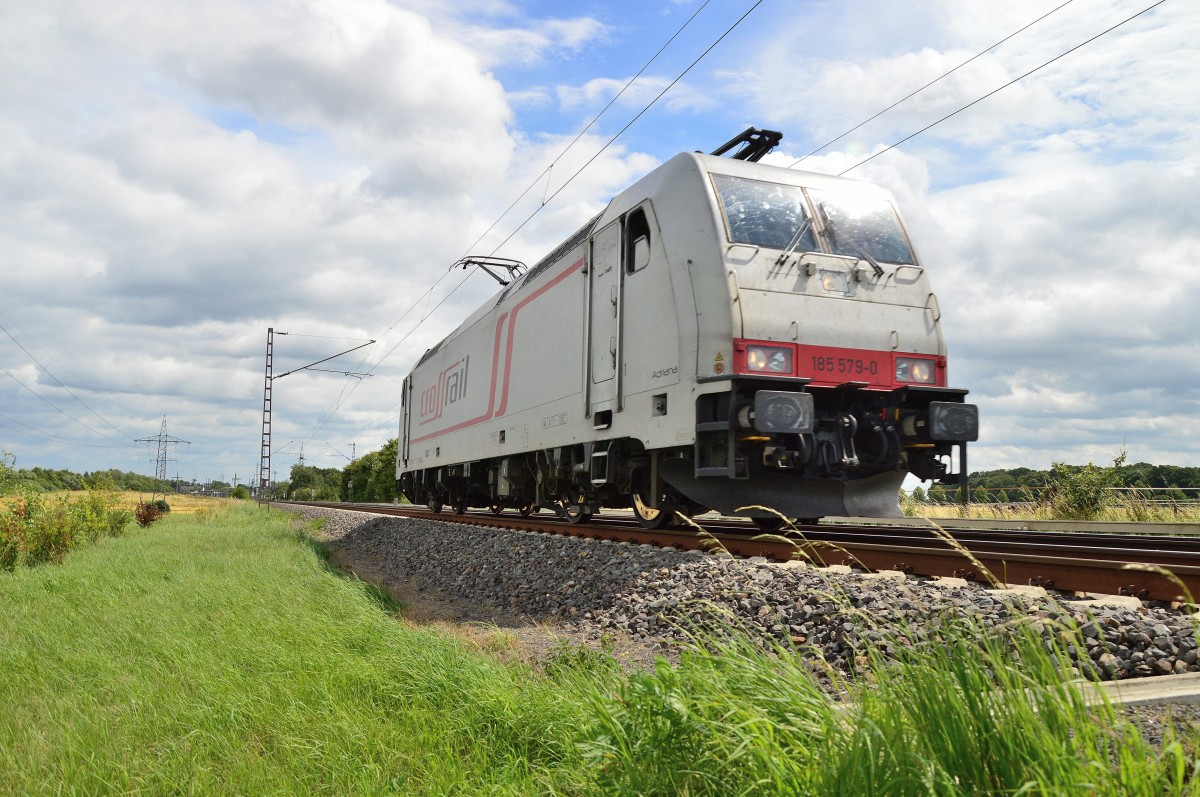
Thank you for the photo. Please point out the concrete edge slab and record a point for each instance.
(1147, 691)
(1096, 599)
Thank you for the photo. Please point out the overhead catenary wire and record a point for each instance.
(545, 172)
(618, 134)
(607, 144)
(1001, 88)
(427, 295)
(40, 434)
(59, 382)
(892, 146)
(940, 77)
(631, 122)
(58, 409)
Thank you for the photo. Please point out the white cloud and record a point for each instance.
(176, 177)
(595, 93)
(1127, 88)
(504, 35)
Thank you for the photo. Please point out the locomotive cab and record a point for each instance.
(837, 382)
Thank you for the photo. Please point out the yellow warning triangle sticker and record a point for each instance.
(719, 358)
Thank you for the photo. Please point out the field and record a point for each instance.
(218, 652)
(186, 504)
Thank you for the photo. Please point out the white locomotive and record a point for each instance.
(724, 334)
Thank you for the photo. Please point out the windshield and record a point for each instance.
(862, 225)
(856, 223)
(764, 214)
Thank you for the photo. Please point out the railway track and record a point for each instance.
(1149, 567)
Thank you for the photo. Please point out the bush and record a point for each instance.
(8, 472)
(35, 530)
(240, 493)
(1082, 493)
(146, 514)
(118, 519)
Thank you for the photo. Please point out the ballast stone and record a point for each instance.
(660, 595)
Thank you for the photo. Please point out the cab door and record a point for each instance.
(603, 382)
(405, 415)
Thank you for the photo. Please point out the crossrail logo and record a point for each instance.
(452, 382)
(449, 388)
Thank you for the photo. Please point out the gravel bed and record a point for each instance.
(604, 589)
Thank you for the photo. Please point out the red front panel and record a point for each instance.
(830, 366)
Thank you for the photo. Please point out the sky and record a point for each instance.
(178, 177)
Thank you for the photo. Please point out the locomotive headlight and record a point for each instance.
(914, 370)
(769, 360)
(950, 420)
(783, 412)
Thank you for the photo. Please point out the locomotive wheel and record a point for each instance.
(769, 524)
(496, 509)
(650, 517)
(459, 506)
(526, 510)
(578, 512)
(435, 505)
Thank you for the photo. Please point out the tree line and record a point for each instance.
(369, 479)
(1167, 482)
(45, 480)
(372, 479)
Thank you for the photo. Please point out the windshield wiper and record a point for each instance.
(865, 256)
(834, 240)
(792, 244)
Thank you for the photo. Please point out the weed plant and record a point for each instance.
(965, 712)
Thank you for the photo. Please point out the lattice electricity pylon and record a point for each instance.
(163, 439)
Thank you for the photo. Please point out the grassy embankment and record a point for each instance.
(216, 653)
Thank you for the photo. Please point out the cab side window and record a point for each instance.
(637, 241)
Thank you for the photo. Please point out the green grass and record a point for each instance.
(959, 715)
(218, 654)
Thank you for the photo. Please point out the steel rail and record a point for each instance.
(1112, 547)
(1175, 542)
